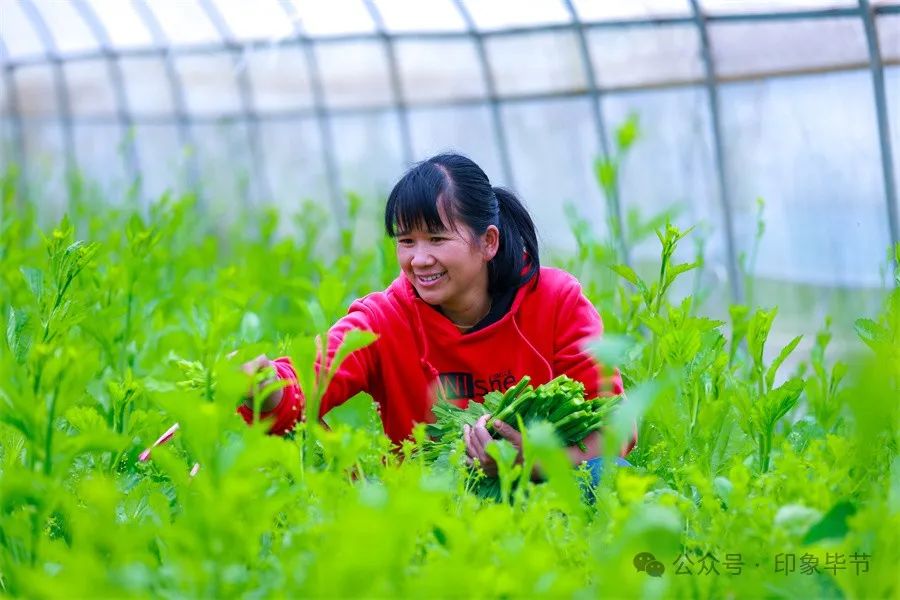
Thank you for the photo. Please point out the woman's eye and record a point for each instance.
(404, 241)
(438, 239)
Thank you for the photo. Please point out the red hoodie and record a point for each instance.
(543, 336)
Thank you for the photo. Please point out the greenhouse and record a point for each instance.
(450, 298)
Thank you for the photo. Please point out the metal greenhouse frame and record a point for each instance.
(399, 106)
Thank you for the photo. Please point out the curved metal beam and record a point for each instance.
(185, 134)
(248, 105)
(599, 122)
(15, 116)
(60, 86)
(123, 108)
(301, 113)
(283, 114)
(321, 113)
(884, 127)
(593, 88)
(394, 74)
(207, 48)
(712, 91)
(490, 87)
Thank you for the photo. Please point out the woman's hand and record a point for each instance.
(477, 439)
(256, 368)
(592, 444)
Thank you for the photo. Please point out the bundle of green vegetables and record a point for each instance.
(560, 402)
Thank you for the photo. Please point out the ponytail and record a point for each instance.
(518, 247)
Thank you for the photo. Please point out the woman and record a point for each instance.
(472, 311)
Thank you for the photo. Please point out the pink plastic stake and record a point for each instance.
(145, 455)
(194, 469)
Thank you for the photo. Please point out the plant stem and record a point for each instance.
(126, 335)
(695, 408)
(48, 447)
(765, 447)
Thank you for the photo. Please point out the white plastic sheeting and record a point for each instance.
(185, 23)
(312, 81)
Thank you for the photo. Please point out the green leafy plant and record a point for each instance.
(120, 323)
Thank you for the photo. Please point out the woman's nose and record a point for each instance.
(421, 258)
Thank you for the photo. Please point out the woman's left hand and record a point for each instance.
(477, 439)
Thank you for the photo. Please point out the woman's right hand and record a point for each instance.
(256, 369)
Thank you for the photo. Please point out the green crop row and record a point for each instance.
(778, 471)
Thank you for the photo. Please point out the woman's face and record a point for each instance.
(447, 268)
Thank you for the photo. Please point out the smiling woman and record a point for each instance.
(445, 216)
(472, 312)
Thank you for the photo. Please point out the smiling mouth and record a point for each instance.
(430, 278)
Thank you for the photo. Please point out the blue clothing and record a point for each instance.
(596, 467)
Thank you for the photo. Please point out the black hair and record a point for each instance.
(457, 185)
